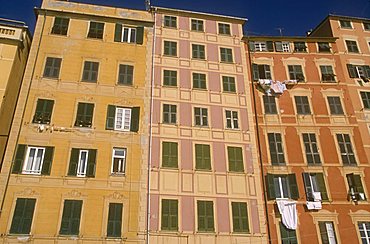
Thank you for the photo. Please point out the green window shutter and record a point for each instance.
(270, 46)
(72, 171)
(352, 71)
(202, 157)
(169, 215)
(321, 184)
(255, 72)
(114, 220)
(240, 217)
(308, 187)
(76, 215)
(23, 215)
(67, 212)
(71, 217)
(118, 33)
(358, 183)
(251, 46)
(278, 46)
(270, 187)
(174, 214)
(169, 155)
(294, 194)
(135, 119)
(91, 164)
(140, 35)
(111, 115)
(19, 158)
(165, 222)
(323, 232)
(48, 159)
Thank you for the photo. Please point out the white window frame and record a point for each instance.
(362, 228)
(129, 33)
(33, 168)
(121, 164)
(260, 46)
(233, 119)
(281, 190)
(285, 46)
(122, 121)
(82, 166)
(330, 232)
(201, 116)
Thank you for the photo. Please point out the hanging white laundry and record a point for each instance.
(316, 196)
(313, 205)
(288, 211)
(278, 87)
(290, 82)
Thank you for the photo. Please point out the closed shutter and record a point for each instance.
(293, 187)
(352, 71)
(114, 220)
(270, 46)
(169, 155)
(255, 72)
(118, 33)
(48, 158)
(19, 158)
(70, 224)
(278, 46)
(270, 187)
(202, 157)
(321, 184)
(23, 215)
(140, 35)
(72, 171)
(251, 46)
(135, 119)
(111, 114)
(91, 164)
(240, 217)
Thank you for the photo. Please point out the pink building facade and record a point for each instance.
(204, 176)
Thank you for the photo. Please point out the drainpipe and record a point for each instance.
(150, 132)
(259, 142)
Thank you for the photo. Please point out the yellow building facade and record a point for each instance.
(15, 42)
(75, 168)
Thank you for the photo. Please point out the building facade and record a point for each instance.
(204, 176)
(75, 167)
(313, 153)
(15, 42)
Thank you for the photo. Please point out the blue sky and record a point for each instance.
(264, 17)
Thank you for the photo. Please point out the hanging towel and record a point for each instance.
(317, 196)
(288, 211)
(278, 87)
(313, 205)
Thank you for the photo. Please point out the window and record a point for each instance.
(365, 96)
(71, 217)
(52, 67)
(169, 77)
(314, 184)
(60, 26)
(169, 155)
(302, 105)
(276, 149)
(169, 114)
(282, 186)
(205, 216)
(295, 72)
(345, 24)
(84, 115)
(359, 71)
(282, 46)
(228, 84)
(261, 71)
(198, 51)
(44, 109)
(226, 55)
(260, 46)
(352, 46)
(123, 119)
(96, 30)
(364, 228)
(90, 72)
(23, 215)
(269, 103)
(129, 34)
(197, 25)
(263, 46)
(170, 215)
(170, 21)
(300, 47)
(199, 81)
(287, 236)
(235, 158)
(327, 232)
(327, 74)
(311, 149)
(114, 220)
(82, 162)
(125, 74)
(201, 116)
(119, 161)
(202, 157)
(232, 119)
(366, 26)
(240, 217)
(346, 151)
(33, 160)
(335, 106)
(224, 29)
(170, 48)
(356, 190)
(324, 47)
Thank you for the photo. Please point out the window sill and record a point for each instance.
(229, 92)
(89, 81)
(232, 129)
(199, 89)
(169, 86)
(170, 27)
(170, 56)
(226, 62)
(50, 78)
(118, 175)
(123, 84)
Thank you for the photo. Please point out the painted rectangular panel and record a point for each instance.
(214, 82)
(158, 46)
(244, 119)
(237, 55)
(156, 116)
(184, 49)
(159, 20)
(252, 186)
(248, 159)
(169, 181)
(212, 52)
(187, 209)
(240, 83)
(185, 95)
(204, 183)
(186, 155)
(187, 182)
(211, 26)
(237, 185)
(154, 212)
(154, 180)
(155, 152)
(185, 114)
(158, 80)
(235, 30)
(221, 184)
(219, 156)
(223, 219)
(185, 79)
(183, 23)
(254, 217)
(216, 119)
